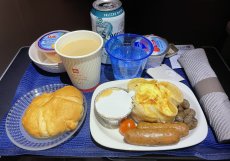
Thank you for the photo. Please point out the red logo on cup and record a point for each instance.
(51, 36)
(75, 70)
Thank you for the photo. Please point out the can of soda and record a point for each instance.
(108, 19)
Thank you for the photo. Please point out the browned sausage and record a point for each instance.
(150, 137)
(181, 127)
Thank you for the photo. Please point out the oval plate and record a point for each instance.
(16, 132)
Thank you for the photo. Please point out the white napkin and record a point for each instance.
(164, 72)
(211, 95)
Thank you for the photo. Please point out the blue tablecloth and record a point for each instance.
(82, 144)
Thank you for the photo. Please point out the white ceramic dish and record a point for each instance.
(17, 134)
(42, 62)
(111, 138)
(109, 111)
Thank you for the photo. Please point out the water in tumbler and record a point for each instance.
(128, 54)
(128, 62)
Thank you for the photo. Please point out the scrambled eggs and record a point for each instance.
(154, 101)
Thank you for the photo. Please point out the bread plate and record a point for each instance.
(16, 132)
(111, 138)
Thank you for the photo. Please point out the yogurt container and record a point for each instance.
(160, 48)
(45, 44)
(111, 106)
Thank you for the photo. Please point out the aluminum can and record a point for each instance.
(108, 19)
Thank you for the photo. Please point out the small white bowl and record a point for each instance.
(42, 62)
(111, 106)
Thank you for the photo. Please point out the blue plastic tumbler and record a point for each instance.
(128, 54)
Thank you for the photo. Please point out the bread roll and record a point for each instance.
(51, 114)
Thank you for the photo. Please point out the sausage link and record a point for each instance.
(150, 137)
(181, 127)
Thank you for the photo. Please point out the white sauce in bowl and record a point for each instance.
(113, 103)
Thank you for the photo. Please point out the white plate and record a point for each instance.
(111, 138)
(17, 133)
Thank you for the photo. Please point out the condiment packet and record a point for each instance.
(164, 72)
(181, 50)
(172, 51)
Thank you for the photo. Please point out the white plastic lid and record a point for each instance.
(160, 45)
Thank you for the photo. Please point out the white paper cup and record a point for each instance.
(84, 71)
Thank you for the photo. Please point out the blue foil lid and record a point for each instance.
(47, 41)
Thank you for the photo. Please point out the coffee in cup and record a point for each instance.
(80, 47)
(80, 52)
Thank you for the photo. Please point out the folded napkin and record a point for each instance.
(210, 93)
